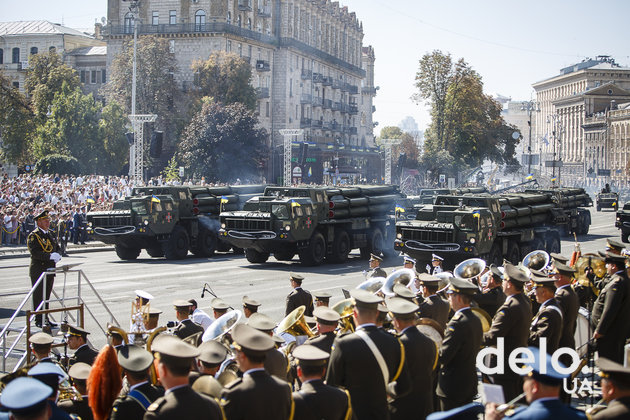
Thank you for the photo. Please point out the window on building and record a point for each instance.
(249, 24)
(52, 49)
(259, 27)
(229, 46)
(239, 22)
(200, 20)
(34, 50)
(171, 46)
(290, 87)
(267, 109)
(103, 78)
(229, 18)
(93, 77)
(249, 50)
(240, 49)
(1, 56)
(155, 20)
(16, 55)
(129, 22)
(172, 17)
(16, 85)
(82, 76)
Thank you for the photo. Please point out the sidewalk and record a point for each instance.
(22, 250)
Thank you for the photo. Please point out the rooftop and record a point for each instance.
(37, 27)
(89, 51)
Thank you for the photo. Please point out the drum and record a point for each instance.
(484, 317)
(583, 331)
(431, 329)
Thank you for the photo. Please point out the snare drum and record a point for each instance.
(583, 331)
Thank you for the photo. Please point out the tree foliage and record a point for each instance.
(16, 124)
(111, 126)
(223, 143)
(171, 172)
(465, 123)
(226, 78)
(61, 164)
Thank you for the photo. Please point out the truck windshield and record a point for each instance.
(140, 207)
(465, 222)
(280, 211)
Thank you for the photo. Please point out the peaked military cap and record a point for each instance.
(77, 331)
(212, 352)
(181, 304)
(308, 355)
(43, 215)
(559, 257)
(435, 257)
(219, 304)
(41, 338)
(25, 396)
(400, 306)
(134, 358)
(614, 244)
(143, 294)
(514, 274)
(251, 340)
(614, 258)
(322, 296)
(550, 376)
(261, 322)
(375, 258)
(544, 282)
(174, 347)
(382, 308)
(48, 369)
(565, 270)
(80, 371)
(364, 299)
(247, 301)
(326, 315)
(402, 291)
(614, 371)
(408, 259)
(461, 286)
(296, 277)
(468, 411)
(428, 279)
(496, 271)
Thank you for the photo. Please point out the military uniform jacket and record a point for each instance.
(376, 272)
(436, 308)
(80, 408)
(129, 408)
(58, 413)
(276, 364)
(318, 401)
(353, 366)
(547, 323)
(257, 395)
(297, 298)
(617, 409)
(491, 300)
(547, 409)
(422, 356)
(457, 378)
(184, 403)
(569, 302)
(85, 354)
(187, 328)
(41, 245)
(323, 342)
(611, 311)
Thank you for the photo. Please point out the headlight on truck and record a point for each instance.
(287, 228)
(222, 225)
(473, 240)
(399, 236)
(146, 222)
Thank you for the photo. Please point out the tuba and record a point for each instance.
(403, 276)
(469, 268)
(372, 285)
(221, 326)
(295, 324)
(594, 262)
(345, 308)
(536, 260)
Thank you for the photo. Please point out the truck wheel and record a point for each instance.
(238, 251)
(495, 256)
(177, 246)
(553, 244)
(125, 253)
(256, 257)
(341, 247)
(585, 223)
(315, 253)
(375, 241)
(513, 253)
(155, 252)
(625, 237)
(206, 244)
(284, 255)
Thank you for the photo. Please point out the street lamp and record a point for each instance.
(530, 106)
(556, 133)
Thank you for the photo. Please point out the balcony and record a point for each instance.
(327, 81)
(305, 122)
(354, 89)
(327, 103)
(306, 98)
(345, 87)
(262, 92)
(335, 126)
(337, 84)
(350, 130)
(318, 78)
(326, 125)
(317, 101)
(262, 65)
(264, 11)
(353, 109)
(245, 5)
(368, 90)
(307, 74)
(336, 106)
(316, 123)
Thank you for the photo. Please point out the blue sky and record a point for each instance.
(510, 44)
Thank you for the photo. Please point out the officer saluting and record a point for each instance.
(44, 255)
(174, 359)
(316, 400)
(257, 395)
(375, 267)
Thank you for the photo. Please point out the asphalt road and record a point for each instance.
(230, 277)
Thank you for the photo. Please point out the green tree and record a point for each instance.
(16, 124)
(45, 77)
(226, 78)
(112, 127)
(223, 142)
(171, 172)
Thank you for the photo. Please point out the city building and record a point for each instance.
(309, 66)
(568, 103)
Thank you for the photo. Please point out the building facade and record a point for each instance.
(309, 66)
(568, 103)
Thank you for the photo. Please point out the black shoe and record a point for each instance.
(38, 324)
(51, 324)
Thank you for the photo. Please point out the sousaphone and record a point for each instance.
(222, 325)
(469, 268)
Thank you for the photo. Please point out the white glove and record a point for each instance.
(428, 269)
(55, 257)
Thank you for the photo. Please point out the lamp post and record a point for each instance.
(530, 106)
(556, 133)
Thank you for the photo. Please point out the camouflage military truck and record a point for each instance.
(509, 226)
(623, 222)
(317, 223)
(169, 221)
(608, 200)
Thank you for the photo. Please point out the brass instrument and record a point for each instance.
(594, 262)
(228, 372)
(295, 324)
(444, 282)
(404, 276)
(484, 317)
(510, 405)
(152, 371)
(114, 329)
(591, 411)
(469, 268)
(345, 308)
(432, 329)
(536, 260)
(67, 392)
(219, 329)
(23, 371)
(372, 285)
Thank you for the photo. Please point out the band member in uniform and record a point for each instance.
(422, 355)
(548, 321)
(615, 390)
(298, 296)
(492, 297)
(542, 391)
(375, 267)
(199, 316)
(135, 363)
(316, 400)
(511, 323)
(555, 257)
(436, 265)
(63, 234)
(219, 307)
(457, 377)
(611, 311)
(276, 363)
(327, 321)
(370, 363)
(322, 298)
(257, 395)
(211, 354)
(569, 302)
(77, 341)
(433, 306)
(408, 262)
(44, 252)
(186, 326)
(51, 375)
(79, 373)
(174, 359)
(41, 344)
(250, 306)
(402, 291)
(26, 398)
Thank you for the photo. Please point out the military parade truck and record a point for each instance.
(494, 227)
(623, 222)
(316, 223)
(169, 221)
(607, 200)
